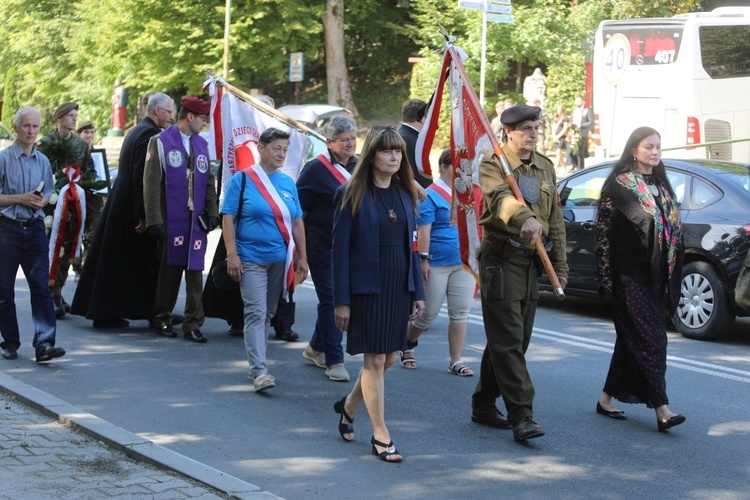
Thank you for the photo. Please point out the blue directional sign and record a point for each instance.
(488, 6)
(500, 18)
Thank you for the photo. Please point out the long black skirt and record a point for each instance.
(378, 321)
(637, 372)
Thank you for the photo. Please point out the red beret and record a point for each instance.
(196, 105)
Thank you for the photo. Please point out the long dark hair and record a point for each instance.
(626, 162)
(361, 182)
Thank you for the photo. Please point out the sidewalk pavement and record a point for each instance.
(50, 449)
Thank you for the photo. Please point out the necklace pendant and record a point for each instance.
(392, 215)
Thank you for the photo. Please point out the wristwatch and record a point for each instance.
(425, 256)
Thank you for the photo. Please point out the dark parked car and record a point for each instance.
(714, 198)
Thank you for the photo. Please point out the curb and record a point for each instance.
(132, 445)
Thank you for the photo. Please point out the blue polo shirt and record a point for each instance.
(436, 210)
(258, 237)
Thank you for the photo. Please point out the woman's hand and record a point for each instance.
(417, 308)
(302, 270)
(342, 314)
(234, 267)
(426, 269)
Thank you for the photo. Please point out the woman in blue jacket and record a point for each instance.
(377, 285)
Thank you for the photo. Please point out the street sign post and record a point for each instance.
(497, 11)
(296, 66)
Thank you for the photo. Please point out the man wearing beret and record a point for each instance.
(180, 201)
(65, 149)
(509, 268)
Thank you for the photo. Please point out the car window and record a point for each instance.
(584, 190)
(678, 180)
(704, 193)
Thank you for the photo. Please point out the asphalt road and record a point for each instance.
(196, 400)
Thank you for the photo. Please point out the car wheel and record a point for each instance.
(703, 312)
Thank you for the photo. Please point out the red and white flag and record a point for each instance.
(235, 128)
(470, 142)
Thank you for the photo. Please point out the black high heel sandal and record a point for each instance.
(390, 450)
(338, 407)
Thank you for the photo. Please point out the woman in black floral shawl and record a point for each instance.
(639, 255)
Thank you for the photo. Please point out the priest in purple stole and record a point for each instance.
(179, 192)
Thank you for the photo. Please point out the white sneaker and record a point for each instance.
(318, 358)
(338, 373)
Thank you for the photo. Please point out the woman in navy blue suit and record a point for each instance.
(377, 285)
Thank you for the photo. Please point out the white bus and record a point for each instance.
(687, 76)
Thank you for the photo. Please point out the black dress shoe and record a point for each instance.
(617, 414)
(195, 336)
(287, 335)
(489, 415)
(167, 331)
(177, 319)
(9, 353)
(664, 426)
(65, 305)
(49, 352)
(110, 323)
(59, 312)
(526, 428)
(236, 332)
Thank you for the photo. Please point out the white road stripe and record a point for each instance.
(598, 345)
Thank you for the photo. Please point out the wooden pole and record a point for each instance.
(268, 109)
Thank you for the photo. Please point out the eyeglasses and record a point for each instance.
(203, 117)
(170, 111)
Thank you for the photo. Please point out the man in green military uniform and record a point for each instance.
(64, 148)
(509, 269)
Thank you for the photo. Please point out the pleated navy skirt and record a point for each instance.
(378, 321)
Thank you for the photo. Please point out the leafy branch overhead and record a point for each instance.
(63, 51)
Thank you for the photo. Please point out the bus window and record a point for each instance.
(725, 51)
(650, 44)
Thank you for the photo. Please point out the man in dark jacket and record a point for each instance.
(118, 279)
(412, 118)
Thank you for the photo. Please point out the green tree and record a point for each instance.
(10, 102)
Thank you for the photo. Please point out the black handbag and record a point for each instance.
(219, 275)
(221, 279)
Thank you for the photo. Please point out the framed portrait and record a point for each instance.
(102, 169)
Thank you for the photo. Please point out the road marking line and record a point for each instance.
(601, 346)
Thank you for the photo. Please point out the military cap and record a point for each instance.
(84, 126)
(520, 113)
(196, 105)
(64, 108)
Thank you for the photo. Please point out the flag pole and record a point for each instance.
(268, 109)
(507, 173)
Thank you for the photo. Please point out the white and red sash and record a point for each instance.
(280, 214)
(441, 188)
(71, 197)
(336, 170)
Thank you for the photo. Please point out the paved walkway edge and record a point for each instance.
(131, 444)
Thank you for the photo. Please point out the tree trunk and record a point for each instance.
(337, 75)
(519, 78)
